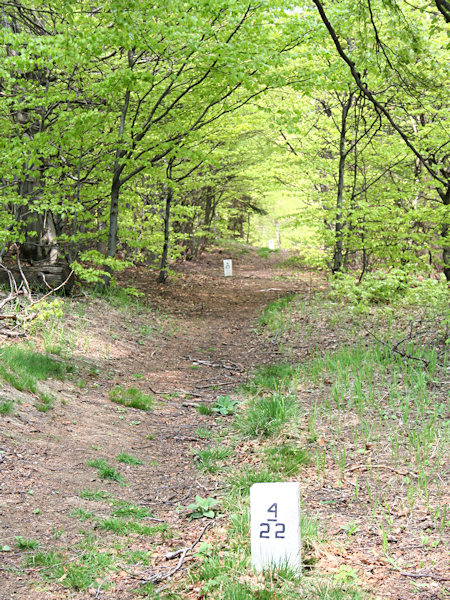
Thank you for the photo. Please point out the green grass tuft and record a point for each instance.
(127, 459)
(25, 543)
(211, 458)
(6, 407)
(131, 397)
(23, 368)
(94, 495)
(270, 377)
(105, 471)
(287, 459)
(266, 416)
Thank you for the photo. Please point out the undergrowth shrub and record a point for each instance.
(396, 286)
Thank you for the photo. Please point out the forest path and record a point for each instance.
(200, 332)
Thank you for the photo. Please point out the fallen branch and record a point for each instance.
(11, 333)
(53, 290)
(395, 350)
(375, 466)
(430, 575)
(182, 553)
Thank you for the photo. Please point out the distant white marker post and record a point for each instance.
(228, 267)
(272, 244)
(275, 525)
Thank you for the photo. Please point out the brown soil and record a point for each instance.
(199, 333)
(198, 341)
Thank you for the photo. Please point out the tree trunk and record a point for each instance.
(445, 196)
(339, 225)
(163, 266)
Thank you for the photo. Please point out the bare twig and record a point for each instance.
(24, 279)
(182, 553)
(430, 575)
(53, 290)
(395, 349)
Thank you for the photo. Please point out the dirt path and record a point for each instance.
(201, 334)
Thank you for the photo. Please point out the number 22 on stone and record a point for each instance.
(272, 529)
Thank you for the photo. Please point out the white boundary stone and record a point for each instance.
(228, 267)
(275, 525)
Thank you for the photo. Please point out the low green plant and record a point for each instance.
(225, 405)
(46, 402)
(127, 459)
(270, 377)
(203, 409)
(204, 433)
(23, 367)
(131, 397)
(126, 527)
(80, 574)
(44, 559)
(264, 252)
(202, 507)
(26, 543)
(211, 458)
(6, 407)
(266, 416)
(287, 459)
(94, 495)
(105, 471)
(125, 509)
(242, 480)
(81, 514)
(273, 317)
(394, 286)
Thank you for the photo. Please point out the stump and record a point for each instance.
(40, 276)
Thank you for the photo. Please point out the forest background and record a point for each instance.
(139, 133)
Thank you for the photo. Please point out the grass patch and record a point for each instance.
(210, 460)
(94, 495)
(267, 416)
(46, 402)
(83, 515)
(105, 471)
(131, 397)
(26, 543)
(78, 575)
(6, 407)
(126, 509)
(287, 459)
(127, 459)
(204, 409)
(120, 526)
(23, 367)
(270, 377)
(204, 433)
(242, 480)
(275, 316)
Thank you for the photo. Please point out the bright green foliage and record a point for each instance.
(26, 543)
(22, 367)
(202, 507)
(6, 407)
(394, 287)
(225, 405)
(208, 114)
